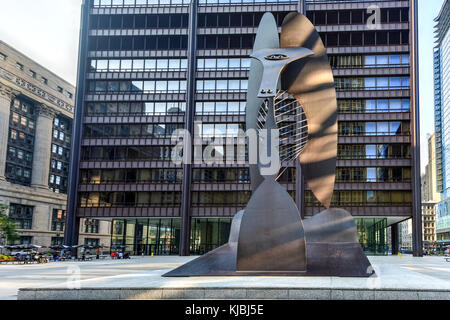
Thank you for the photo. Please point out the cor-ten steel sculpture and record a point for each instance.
(291, 92)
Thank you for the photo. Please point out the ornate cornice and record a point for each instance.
(8, 92)
(46, 111)
(4, 74)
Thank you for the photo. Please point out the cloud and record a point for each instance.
(47, 31)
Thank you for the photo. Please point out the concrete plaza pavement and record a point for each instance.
(57, 274)
(427, 277)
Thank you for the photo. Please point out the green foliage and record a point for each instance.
(8, 229)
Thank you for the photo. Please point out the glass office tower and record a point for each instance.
(149, 67)
(442, 115)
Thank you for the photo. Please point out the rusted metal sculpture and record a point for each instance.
(291, 91)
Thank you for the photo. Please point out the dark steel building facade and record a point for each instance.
(148, 68)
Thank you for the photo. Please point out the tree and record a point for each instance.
(8, 229)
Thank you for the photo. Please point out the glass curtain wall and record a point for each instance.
(162, 236)
(372, 235)
(147, 236)
(208, 234)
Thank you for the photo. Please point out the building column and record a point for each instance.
(417, 241)
(299, 179)
(394, 239)
(42, 147)
(6, 96)
(185, 231)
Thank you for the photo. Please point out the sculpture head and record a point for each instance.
(294, 91)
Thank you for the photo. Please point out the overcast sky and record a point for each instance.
(47, 31)
(428, 10)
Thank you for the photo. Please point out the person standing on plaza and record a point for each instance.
(83, 253)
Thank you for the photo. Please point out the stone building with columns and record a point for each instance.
(36, 112)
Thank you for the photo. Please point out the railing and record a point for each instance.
(365, 111)
(361, 204)
(133, 114)
(200, 249)
(138, 3)
(216, 113)
(372, 88)
(370, 66)
(103, 182)
(148, 249)
(152, 3)
(219, 205)
(138, 70)
(130, 136)
(368, 157)
(224, 69)
(128, 205)
(137, 92)
(365, 134)
(371, 180)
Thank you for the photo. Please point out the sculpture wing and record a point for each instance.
(310, 81)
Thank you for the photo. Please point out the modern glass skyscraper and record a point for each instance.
(442, 117)
(149, 67)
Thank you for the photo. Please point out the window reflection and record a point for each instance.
(128, 65)
(370, 151)
(373, 128)
(373, 105)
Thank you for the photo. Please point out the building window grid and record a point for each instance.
(22, 215)
(374, 151)
(136, 108)
(152, 42)
(91, 226)
(137, 3)
(219, 107)
(138, 86)
(56, 241)
(232, 175)
(60, 154)
(371, 66)
(138, 65)
(138, 21)
(58, 219)
(129, 199)
(359, 198)
(380, 128)
(152, 130)
(135, 176)
(147, 236)
(228, 85)
(369, 61)
(130, 153)
(94, 242)
(21, 142)
(220, 129)
(373, 105)
(223, 64)
(373, 174)
(372, 83)
(354, 17)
